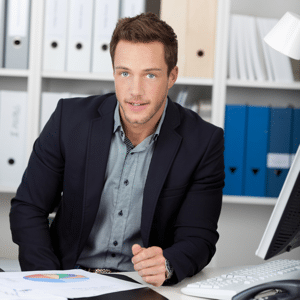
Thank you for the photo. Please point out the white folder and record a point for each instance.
(255, 49)
(80, 35)
(247, 47)
(17, 34)
(55, 35)
(266, 49)
(233, 64)
(281, 63)
(49, 103)
(13, 111)
(106, 17)
(242, 68)
(2, 31)
(131, 8)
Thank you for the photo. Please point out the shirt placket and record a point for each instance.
(122, 205)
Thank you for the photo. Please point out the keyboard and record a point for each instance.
(227, 285)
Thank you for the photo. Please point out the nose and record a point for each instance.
(137, 87)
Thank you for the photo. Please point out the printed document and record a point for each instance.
(67, 283)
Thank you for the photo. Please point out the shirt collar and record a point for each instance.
(118, 125)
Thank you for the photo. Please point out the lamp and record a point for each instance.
(285, 35)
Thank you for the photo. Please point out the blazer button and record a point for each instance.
(115, 243)
(126, 182)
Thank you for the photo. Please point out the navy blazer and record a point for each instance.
(182, 194)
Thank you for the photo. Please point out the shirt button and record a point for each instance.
(120, 213)
(115, 243)
(126, 182)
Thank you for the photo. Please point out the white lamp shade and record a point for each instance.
(285, 35)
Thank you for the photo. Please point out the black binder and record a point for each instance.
(144, 293)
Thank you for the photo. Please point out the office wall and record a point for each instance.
(7, 248)
(241, 228)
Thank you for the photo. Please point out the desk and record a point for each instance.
(173, 292)
(170, 292)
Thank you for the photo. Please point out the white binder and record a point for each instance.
(281, 64)
(17, 34)
(49, 103)
(256, 54)
(233, 64)
(80, 35)
(242, 68)
(266, 49)
(106, 17)
(131, 8)
(2, 31)
(13, 111)
(55, 35)
(247, 47)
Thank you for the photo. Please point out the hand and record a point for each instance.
(150, 264)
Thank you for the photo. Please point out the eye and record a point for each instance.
(124, 74)
(151, 76)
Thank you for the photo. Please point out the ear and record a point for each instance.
(173, 77)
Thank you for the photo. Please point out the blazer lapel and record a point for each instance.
(166, 148)
(100, 134)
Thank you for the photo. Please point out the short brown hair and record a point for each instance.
(146, 28)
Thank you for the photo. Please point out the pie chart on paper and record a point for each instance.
(56, 278)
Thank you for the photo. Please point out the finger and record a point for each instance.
(136, 248)
(156, 280)
(147, 253)
(156, 270)
(150, 262)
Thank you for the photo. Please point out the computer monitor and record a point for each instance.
(282, 233)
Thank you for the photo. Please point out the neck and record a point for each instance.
(136, 134)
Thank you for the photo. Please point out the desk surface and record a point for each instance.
(170, 292)
(173, 292)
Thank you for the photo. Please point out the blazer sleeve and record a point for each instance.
(195, 230)
(37, 196)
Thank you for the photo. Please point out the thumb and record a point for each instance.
(136, 248)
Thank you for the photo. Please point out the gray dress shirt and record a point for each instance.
(118, 223)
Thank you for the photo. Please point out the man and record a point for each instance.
(137, 178)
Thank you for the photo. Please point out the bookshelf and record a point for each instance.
(218, 89)
(238, 212)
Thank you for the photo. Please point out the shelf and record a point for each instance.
(264, 84)
(9, 190)
(195, 81)
(78, 76)
(13, 73)
(249, 200)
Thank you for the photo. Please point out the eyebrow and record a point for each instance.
(146, 70)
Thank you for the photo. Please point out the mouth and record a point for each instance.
(136, 104)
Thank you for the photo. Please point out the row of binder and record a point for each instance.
(194, 22)
(13, 121)
(78, 32)
(250, 58)
(14, 33)
(260, 143)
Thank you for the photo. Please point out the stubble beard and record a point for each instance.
(147, 118)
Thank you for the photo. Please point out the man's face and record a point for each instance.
(141, 82)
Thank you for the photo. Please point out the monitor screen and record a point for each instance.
(282, 233)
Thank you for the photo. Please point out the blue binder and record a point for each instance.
(256, 151)
(235, 145)
(279, 149)
(296, 131)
